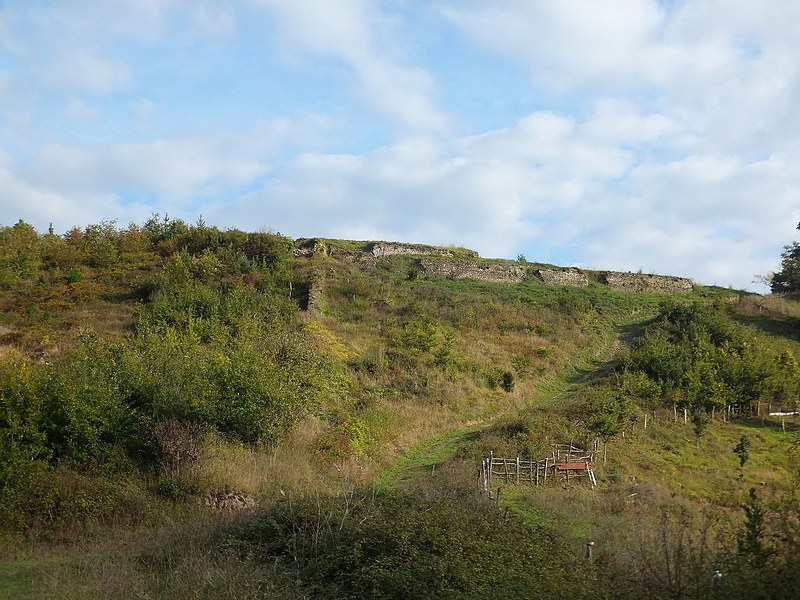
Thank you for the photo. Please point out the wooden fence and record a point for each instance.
(565, 462)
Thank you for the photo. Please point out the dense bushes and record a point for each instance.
(702, 359)
(398, 545)
(213, 350)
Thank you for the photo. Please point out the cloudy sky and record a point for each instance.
(606, 134)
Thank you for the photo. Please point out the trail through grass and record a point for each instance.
(426, 456)
(592, 363)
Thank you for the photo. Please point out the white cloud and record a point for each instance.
(570, 41)
(95, 74)
(40, 206)
(355, 32)
(177, 169)
(214, 18)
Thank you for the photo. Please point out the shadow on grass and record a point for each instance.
(790, 424)
(786, 327)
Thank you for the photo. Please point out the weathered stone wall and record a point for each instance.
(569, 277)
(637, 282)
(470, 269)
(308, 250)
(374, 250)
(378, 249)
(439, 262)
(316, 295)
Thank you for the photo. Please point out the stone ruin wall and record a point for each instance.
(366, 260)
(470, 269)
(379, 249)
(569, 277)
(438, 262)
(636, 282)
(316, 295)
(375, 250)
(510, 273)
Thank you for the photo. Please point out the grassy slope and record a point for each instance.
(411, 405)
(661, 486)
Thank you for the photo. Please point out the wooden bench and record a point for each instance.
(574, 466)
(567, 468)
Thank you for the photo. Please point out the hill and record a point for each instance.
(185, 409)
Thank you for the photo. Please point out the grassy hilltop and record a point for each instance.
(187, 412)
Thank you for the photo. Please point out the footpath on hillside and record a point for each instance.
(427, 455)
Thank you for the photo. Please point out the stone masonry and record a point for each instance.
(378, 249)
(439, 262)
(568, 277)
(470, 269)
(637, 282)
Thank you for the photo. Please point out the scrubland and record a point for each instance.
(175, 424)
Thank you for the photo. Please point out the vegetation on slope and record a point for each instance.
(679, 499)
(149, 369)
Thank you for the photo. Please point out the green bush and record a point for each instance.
(403, 546)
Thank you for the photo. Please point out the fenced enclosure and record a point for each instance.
(564, 463)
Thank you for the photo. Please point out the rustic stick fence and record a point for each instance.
(565, 462)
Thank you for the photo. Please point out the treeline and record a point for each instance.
(25, 255)
(698, 357)
(695, 357)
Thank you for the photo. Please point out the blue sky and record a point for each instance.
(605, 134)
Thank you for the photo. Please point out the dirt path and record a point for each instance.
(434, 451)
(601, 369)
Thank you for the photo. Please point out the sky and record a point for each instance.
(627, 135)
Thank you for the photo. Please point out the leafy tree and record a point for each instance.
(742, 450)
(787, 280)
(20, 253)
(611, 411)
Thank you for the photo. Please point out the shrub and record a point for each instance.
(400, 545)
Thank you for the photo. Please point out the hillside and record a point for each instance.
(185, 409)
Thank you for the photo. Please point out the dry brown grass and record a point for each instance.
(786, 306)
(263, 472)
(174, 560)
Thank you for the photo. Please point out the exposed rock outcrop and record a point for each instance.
(228, 500)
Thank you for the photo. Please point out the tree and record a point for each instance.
(787, 280)
(742, 450)
(751, 543)
(20, 253)
(610, 412)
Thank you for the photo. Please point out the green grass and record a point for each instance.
(16, 580)
(425, 457)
